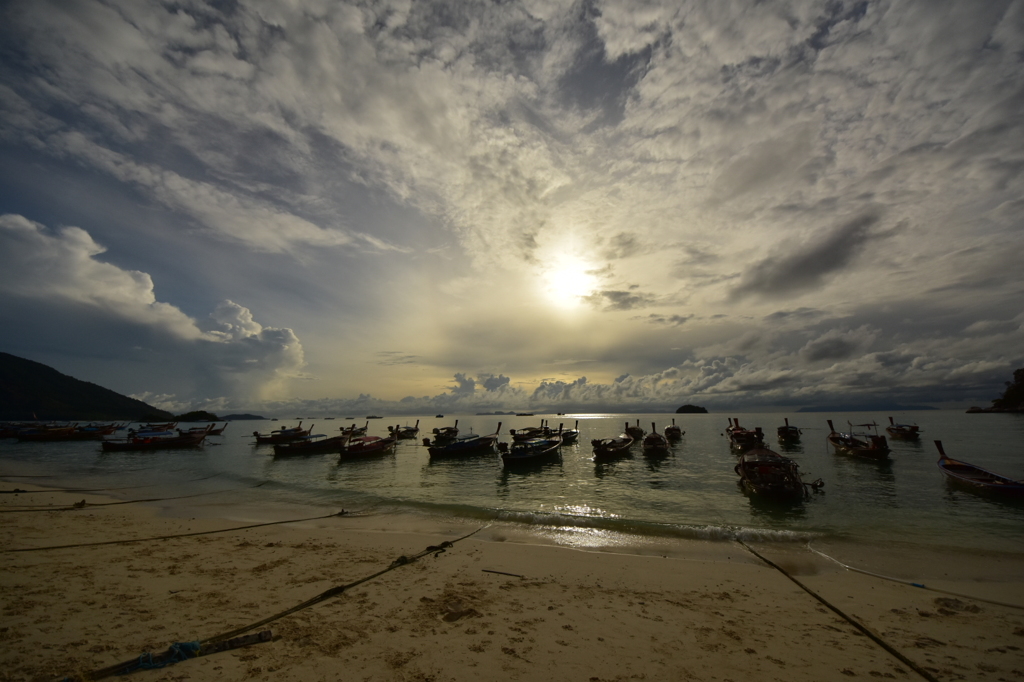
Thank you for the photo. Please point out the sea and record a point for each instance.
(690, 493)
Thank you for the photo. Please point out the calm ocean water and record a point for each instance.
(690, 493)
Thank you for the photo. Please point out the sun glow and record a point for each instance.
(569, 280)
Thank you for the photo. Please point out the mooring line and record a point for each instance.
(83, 504)
(849, 619)
(178, 535)
(18, 491)
(183, 651)
(913, 584)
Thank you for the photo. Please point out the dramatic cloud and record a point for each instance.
(761, 203)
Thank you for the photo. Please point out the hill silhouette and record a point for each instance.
(31, 390)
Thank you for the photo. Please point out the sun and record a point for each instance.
(568, 280)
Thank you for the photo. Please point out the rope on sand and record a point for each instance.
(223, 640)
(849, 619)
(913, 584)
(168, 537)
(83, 503)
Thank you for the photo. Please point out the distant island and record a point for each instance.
(1012, 399)
(32, 391)
(241, 417)
(692, 409)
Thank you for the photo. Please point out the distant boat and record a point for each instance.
(868, 445)
(524, 414)
(373, 416)
(438, 416)
(903, 431)
(977, 478)
(788, 433)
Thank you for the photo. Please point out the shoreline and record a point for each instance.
(501, 604)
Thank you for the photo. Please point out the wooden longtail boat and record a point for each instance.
(788, 433)
(466, 445)
(741, 439)
(531, 450)
(868, 445)
(635, 432)
(903, 431)
(654, 443)
(445, 434)
(405, 432)
(281, 435)
(312, 445)
(766, 473)
(608, 448)
(673, 432)
(137, 443)
(531, 432)
(368, 446)
(977, 478)
(569, 436)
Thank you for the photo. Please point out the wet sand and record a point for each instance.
(500, 604)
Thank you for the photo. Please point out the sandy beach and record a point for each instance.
(496, 605)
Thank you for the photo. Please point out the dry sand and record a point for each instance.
(672, 610)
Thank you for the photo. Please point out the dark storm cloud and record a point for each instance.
(808, 265)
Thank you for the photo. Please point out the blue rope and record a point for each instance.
(179, 651)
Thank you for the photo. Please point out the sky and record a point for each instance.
(416, 207)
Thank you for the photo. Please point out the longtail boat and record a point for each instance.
(654, 443)
(743, 439)
(281, 435)
(465, 445)
(138, 443)
(608, 448)
(531, 450)
(674, 432)
(977, 478)
(405, 432)
(766, 473)
(903, 431)
(788, 433)
(868, 445)
(312, 445)
(569, 436)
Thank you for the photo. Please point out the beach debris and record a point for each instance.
(514, 575)
(454, 610)
(79, 505)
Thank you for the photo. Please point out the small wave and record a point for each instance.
(531, 521)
